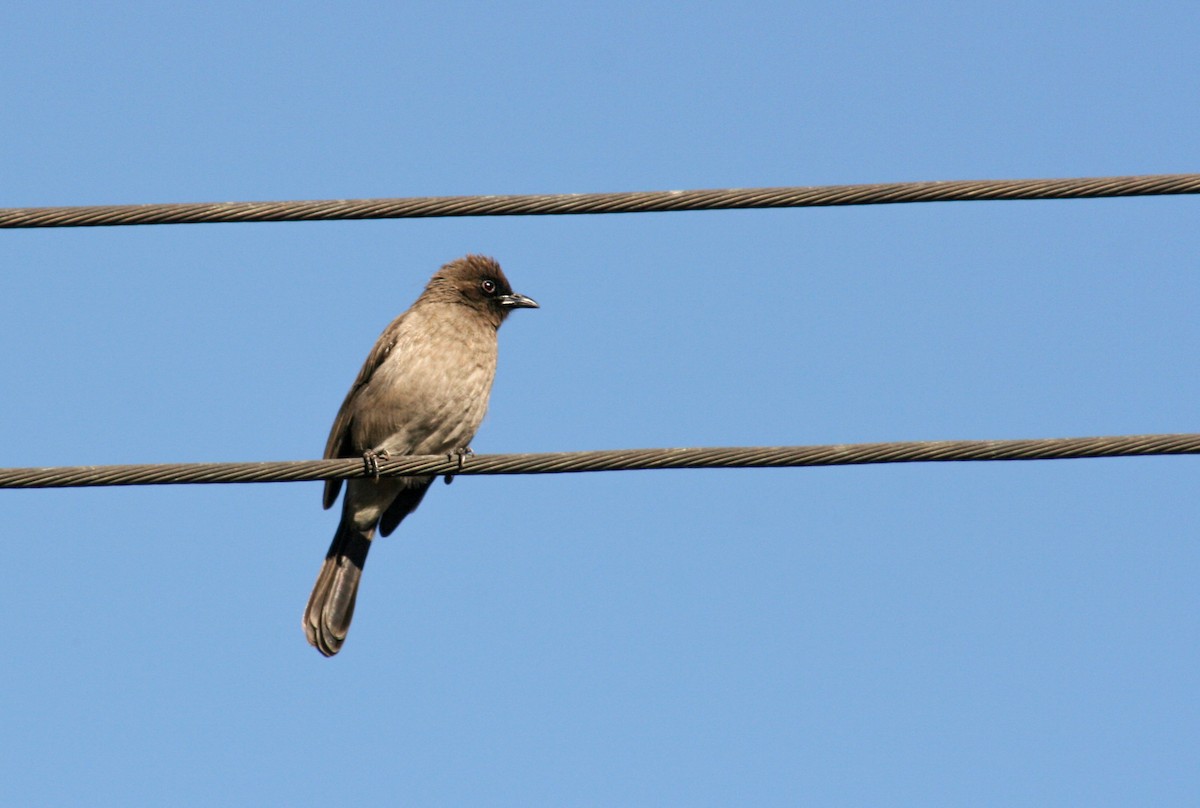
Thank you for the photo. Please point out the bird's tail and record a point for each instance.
(331, 604)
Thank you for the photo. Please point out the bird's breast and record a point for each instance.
(430, 393)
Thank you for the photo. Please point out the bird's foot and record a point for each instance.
(371, 458)
(459, 454)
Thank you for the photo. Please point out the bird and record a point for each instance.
(423, 390)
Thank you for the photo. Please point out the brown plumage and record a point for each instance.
(422, 391)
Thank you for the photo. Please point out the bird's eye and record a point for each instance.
(488, 286)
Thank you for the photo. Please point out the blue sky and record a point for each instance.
(998, 634)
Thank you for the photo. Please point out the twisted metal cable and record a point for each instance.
(630, 202)
(613, 460)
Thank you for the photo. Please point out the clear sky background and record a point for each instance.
(984, 634)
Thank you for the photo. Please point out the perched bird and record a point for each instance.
(422, 391)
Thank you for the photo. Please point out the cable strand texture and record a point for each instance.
(611, 460)
(630, 202)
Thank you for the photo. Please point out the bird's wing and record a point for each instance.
(338, 444)
(405, 503)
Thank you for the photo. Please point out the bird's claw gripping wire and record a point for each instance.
(460, 454)
(371, 458)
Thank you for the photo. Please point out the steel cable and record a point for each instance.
(612, 460)
(630, 202)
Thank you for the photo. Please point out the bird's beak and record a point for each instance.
(516, 301)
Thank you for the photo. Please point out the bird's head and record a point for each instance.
(477, 281)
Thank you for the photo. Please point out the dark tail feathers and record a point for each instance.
(331, 604)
